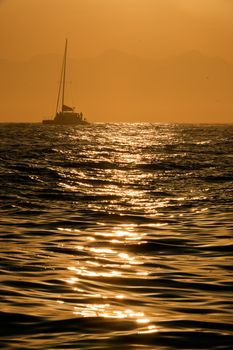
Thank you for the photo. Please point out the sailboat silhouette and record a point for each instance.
(65, 115)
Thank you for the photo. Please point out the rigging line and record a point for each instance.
(61, 83)
(71, 93)
(64, 75)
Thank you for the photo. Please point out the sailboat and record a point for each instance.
(65, 115)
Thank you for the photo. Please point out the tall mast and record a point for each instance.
(64, 75)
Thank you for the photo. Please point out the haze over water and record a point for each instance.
(116, 236)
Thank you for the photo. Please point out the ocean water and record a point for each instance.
(116, 236)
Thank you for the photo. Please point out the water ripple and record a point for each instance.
(116, 236)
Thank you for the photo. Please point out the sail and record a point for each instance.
(66, 108)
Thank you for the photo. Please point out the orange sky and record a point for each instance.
(148, 29)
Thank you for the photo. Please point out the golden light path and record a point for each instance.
(109, 262)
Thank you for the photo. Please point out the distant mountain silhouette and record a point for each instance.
(121, 87)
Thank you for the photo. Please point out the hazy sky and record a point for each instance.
(146, 28)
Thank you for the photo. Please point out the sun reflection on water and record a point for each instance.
(106, 310)
(108, 260)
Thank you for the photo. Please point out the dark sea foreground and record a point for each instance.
(116, 236)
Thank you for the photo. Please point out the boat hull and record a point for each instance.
(53, 122)
(66, 118)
